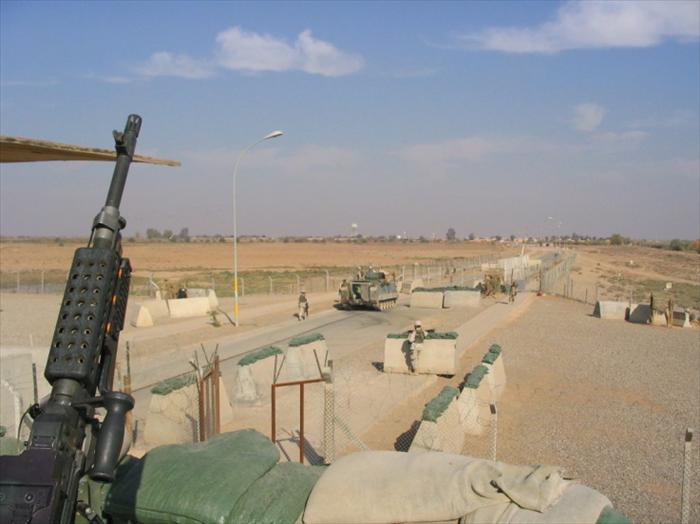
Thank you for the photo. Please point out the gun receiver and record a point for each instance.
(40, 485)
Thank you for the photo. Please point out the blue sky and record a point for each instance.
(402, 117)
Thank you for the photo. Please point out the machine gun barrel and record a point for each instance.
(40, 486)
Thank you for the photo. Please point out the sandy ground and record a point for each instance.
(166, 256)
(607, 400)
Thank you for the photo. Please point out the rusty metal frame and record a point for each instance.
(209, 400)
(301, 384)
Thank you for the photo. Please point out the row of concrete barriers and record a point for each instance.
(637, 313)
(437, 355)
(457, 412)
(439, 298)
(199, 303)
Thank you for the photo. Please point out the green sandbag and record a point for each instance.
(436, 407)
(279, 497)
(441, 335)
(474, 378)
(191, 483)
(260, 354)
(10, 446)
(399, 335)
(169, 385)
(612, 516)
(305, 339)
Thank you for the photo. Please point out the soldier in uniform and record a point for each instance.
(513, 292)
(344, 292)
(669, 313)
(303, 304)
(416, 338)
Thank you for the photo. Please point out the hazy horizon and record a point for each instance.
(400, 117)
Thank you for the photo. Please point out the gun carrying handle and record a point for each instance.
(111, 435)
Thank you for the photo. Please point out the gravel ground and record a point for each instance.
(609, 401)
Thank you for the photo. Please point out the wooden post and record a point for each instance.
(217, 399)
(272, 430)
(200, 399)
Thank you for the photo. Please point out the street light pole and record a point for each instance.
(274, 134)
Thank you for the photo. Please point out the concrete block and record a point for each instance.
(189, 307)
(474, 410)
(640, 313)
(496, 378)
(438, 357)
(174, 418)
(300, 362)
(445, 434)
(658, 319)
(611, 310)
(17, 384)
(157, 308)
(681, 318)
(213, 300)
(462, 298)
(427, 299)
(143, 318)
(396, 355)
(193, 292)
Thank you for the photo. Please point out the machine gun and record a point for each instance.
(40, 485)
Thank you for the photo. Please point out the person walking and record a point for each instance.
(303, 306)
(513, 292)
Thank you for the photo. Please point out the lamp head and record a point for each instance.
(274, 134)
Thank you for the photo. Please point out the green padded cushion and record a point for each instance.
(191, 483)
(611, 516)
(279, 497)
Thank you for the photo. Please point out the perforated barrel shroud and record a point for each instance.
(90, 309)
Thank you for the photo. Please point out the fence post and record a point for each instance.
(298, 284)
(270, 278)
(242, 286)
(42, 281)
(17, 281)
(328, 281)
(687, 461)
(36, 388)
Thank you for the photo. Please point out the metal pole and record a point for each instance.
(17, 281)
(328, 281)
(217, 398)
(687, 462)
(36, 387)
(200, 402)
(42, 281)
(272, 418)
(242, 286)
(301, 423)
(270, 278)
(298, 284)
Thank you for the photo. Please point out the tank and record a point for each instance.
(370, 289)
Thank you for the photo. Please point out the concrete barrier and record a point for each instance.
(303, 358)
(156, 309)
(173, 418)
(611, 310)
(640, 313)
(437, 356)
(254, 375)
(462, 298)
(496, 376)
(445, 434)
(213, 300)
(681, 318)
(143, 318)
(473, 403)
(418, 282)
(189, 307)
(427, 299)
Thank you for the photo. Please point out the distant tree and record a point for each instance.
(168, 234)
(153, 234)
(498, 238)
(184, 234)
(676, 245)
(617, 239)
(472, 236)
(451, 234)
(512, 238)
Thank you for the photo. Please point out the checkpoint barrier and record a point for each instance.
(173, 412)
(640, 314)
(496, 376)
(427, 299)
(611, 310)
(457, 298)
(454, 413)
(437, 356)
(254, 374)
(153, 310)
(303, 359)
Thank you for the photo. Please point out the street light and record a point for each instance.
(273, 134)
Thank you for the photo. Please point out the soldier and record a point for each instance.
(669, 313)
(416, 338)
(182, 292)
(303, 304)
(513, 292)
(344, 292)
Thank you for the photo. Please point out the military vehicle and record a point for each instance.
(370, 289)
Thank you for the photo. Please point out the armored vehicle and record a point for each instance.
(370, 289)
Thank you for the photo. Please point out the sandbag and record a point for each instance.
(277, 497)
(190, 483)
(382, 487)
